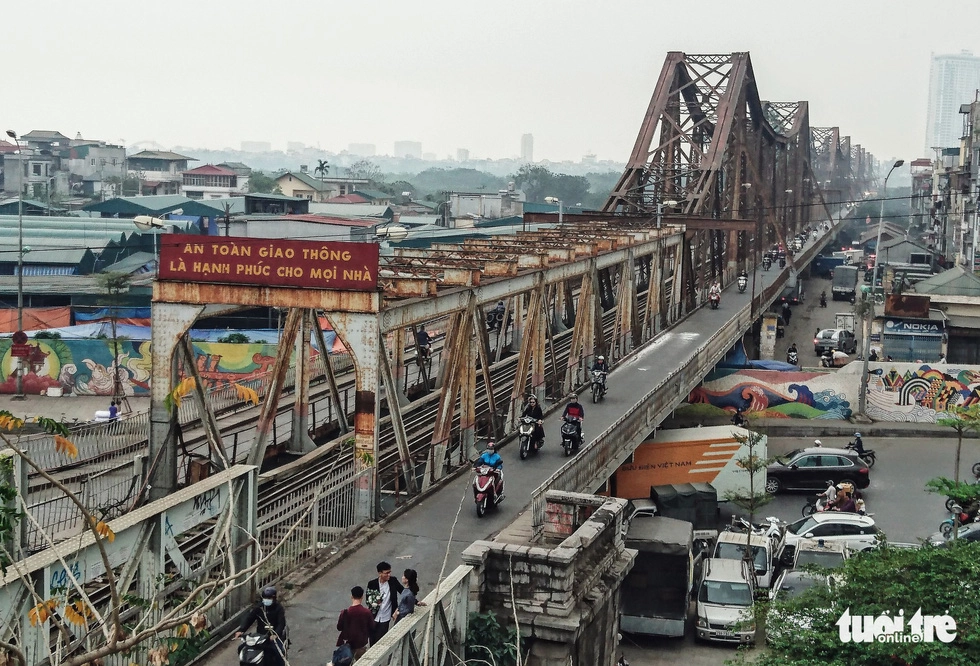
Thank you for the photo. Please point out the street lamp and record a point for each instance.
(660, 207)
(863, 396)
(20, 258)
(555, 200)
(148, 223)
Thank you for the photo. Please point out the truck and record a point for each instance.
(656, 592)
(824, 266)
(844, 320)
(845, 283)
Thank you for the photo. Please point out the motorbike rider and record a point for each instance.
(492, 459)
(575, 409)
(858, 444)
(600, 365)
(737, 419)
(268, 612)
(825, 500)
(792, 354)
(533, 410)
(715, 291)
(823, 299)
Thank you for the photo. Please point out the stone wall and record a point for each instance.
(567, 596)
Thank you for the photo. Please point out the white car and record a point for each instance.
(790, 584)
(854, 530)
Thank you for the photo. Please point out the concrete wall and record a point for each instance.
(567, 597)
(911, 392)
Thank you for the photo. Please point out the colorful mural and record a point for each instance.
(921, 393)
(774, 394)
(84, 367)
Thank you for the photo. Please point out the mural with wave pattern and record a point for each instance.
(773, 394)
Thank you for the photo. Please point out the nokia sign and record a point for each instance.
(913, 327)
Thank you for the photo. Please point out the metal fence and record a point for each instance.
(434, 633)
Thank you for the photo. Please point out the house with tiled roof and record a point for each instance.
(318, 188)
(213, 182)
(956, 294)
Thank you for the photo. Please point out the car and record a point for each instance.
(792, 294)
(833, 339)
(791, 584)
(857, 532)
(724, 602)
(820, 553)
(970, 532)
(803, 469)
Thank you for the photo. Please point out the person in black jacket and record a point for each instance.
(389, 588)
(533, 409)
(268, 613)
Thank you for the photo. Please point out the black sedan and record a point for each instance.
(812, 468)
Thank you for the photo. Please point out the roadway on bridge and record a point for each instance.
(418, 537)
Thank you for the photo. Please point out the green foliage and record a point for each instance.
(538, 182)
(962, 492)
(368, 170)
(322, 168)
(183, 650)
(750, 497)
(234, 339)
(261, 183)
(939, 580)
(47, 335)
(489, 641)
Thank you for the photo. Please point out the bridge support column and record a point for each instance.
(170, 324)
(580, 579)
(361, 335)
(300, 441)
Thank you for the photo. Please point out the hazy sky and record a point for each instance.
(576, 74)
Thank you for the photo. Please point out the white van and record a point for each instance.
(724, 607)
(731, 546)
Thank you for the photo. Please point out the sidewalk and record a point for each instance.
(69, 407)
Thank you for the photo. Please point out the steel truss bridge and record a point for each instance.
(716, 175)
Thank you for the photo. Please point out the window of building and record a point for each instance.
(36, 168)
(92, 161)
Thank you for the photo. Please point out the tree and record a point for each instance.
(805, 630)
(538, 182)
(262, 183)
(367, 169)
(113, 285)
(322, 167)
(750, 498)
(961, 419)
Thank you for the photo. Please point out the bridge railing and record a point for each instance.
(597, 461)
(413, 639)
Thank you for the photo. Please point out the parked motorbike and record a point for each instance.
(976, 470)
(714, 300)
(570, 437)
(793, 358)
(743, 282)
(488, 488)
(771, 529)
(598, 385)
(525, 431)
(868, 456)
(257, 648)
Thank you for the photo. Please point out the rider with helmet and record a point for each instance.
(817, 443)
(533, 410)
(600, 365)
(715, 289)
(492, 459)
(269, 617)
(858, 444)
(575, 409)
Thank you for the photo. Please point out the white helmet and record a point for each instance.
(816, 442)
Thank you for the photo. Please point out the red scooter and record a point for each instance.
(488, 488)
(714, 300)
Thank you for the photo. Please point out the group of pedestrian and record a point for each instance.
(374, 610)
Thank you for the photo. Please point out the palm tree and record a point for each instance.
(322, 167)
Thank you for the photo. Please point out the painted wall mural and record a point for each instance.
(84, 367)
(912, 392)
(773, 394)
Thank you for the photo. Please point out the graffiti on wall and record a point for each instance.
(85, 367)
(917, 392)
(773, 394)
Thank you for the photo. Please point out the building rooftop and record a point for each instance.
(44, 135)
(350, 210)
(146, 205)
(211, 170)
(161, 155)
(956, 281)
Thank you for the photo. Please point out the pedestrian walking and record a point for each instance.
(408, 599)
(382, 600)
(113, 411)
(355, 624)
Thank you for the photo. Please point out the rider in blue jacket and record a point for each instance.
(491, 457)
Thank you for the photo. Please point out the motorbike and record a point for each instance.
(976, 470)
(766, 263)
(823, 300)
(525, 431)
(258, 648)
(743, 282)
(946, 527)
(714, 300)
(598, 385)
(570, 437)
(771, 529)
(782, 262)
(827, 359)
(488, 488)
(793, 358)
(818, 502)
(868, 456)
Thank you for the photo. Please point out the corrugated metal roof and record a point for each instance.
(161, 155)
(148, 205)
(351, 210)
(953, 282)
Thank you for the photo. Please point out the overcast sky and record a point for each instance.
(577, 74)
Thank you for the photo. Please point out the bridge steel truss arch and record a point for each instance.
(709, 143)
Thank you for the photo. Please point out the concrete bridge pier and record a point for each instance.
(565, 586)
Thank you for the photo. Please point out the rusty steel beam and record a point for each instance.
(263, 426)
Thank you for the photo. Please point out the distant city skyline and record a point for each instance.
(953, 81)
(452, 75)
